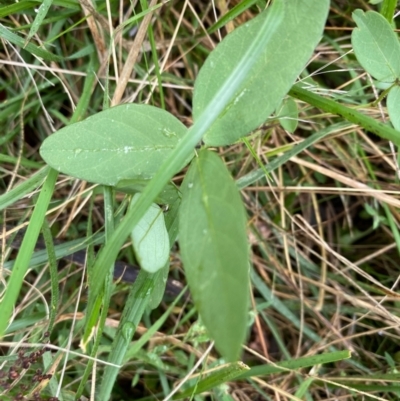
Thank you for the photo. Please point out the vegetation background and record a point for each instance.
(323, 227)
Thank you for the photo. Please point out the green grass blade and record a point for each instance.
(88, 87)
(354, 116)
(255, 175)
(29, 185)
(153, 45)
(138, 345)
(231, 14)
(16, 8)
(134, 307)
(219, 376)
(25, 252)
(55, 294)
(299, 363)
(40, 16)
(65, 249)
(277, 304)
(18, 41)
(388, 8)
(98, 321)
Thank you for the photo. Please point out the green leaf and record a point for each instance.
(16, 8)
(376, 46)
(18, 41)
(288, 115)
(14, 284)
(220, 375)
(269, 80)
(150, 239)
(393, 106)
(213, 243)
(127, 142)
(40, 16)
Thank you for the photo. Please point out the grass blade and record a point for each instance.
(18, 41)
(24, 255)
(40, 16)
(354, 116)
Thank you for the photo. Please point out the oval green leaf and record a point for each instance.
(288, 115)
(287, 53)
(376, 46)
(214, 251)
(160, 282)
(122, 143)
(393, 106)
(150, 239)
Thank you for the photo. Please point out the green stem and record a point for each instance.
(354, 116)
(388, 9)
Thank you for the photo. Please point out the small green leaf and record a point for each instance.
(171, 222)
(285, 56)
(214, 250)
(393, 106)
(288, 115)
(127, 142)
(40, 16)
(376, 46)
(150, 239)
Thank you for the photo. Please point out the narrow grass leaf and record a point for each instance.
(148, 335)
(222, 375)
(288, 115)
(18, 41)
(14, 284)
(303, 388)
(55, 294)
(134, 308)
(125, 142)
(352, 115)
(214, 250)
(150, 239)
(299, 363)
(255, 175)
(40, 16)
(393, 106)
(16, 8)
(388, 9)
(231, 14)
(65, 249)
(271, 77)
(20, 190)
(376, 46)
